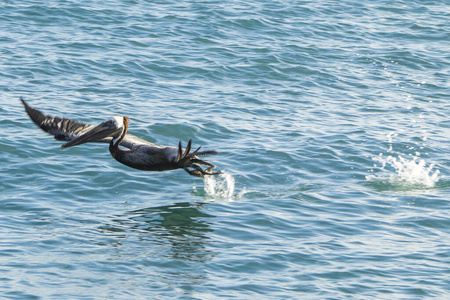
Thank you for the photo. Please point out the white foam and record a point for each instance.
(403, 171)
(220, 186)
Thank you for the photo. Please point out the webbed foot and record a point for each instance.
(189, 160)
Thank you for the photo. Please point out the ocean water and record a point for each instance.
(331, 122)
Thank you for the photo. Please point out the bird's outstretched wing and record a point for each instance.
(62, 129)
(67, 129)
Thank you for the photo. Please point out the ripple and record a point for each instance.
(297, 99)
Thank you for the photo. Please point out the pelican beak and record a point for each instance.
(94, 135)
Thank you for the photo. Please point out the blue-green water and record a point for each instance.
(331, 119)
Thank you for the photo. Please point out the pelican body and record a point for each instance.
(140, 154)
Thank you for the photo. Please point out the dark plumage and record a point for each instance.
(61, 129)
(140, 154)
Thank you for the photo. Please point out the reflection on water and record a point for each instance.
(181, 224)
(175, 237)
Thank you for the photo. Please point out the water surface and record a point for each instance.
(331, 119)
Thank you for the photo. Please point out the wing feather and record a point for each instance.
(67, 129)
(62, 129)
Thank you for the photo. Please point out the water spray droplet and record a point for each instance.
(413, 172)
(220, 186)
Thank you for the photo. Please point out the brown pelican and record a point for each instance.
(141, 154)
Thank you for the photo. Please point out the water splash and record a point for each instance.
(220, 186)
(412, 172)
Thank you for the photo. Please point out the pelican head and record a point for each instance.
(113, 127)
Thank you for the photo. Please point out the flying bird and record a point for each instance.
(140, 154)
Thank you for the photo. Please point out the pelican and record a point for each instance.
(140, 154)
